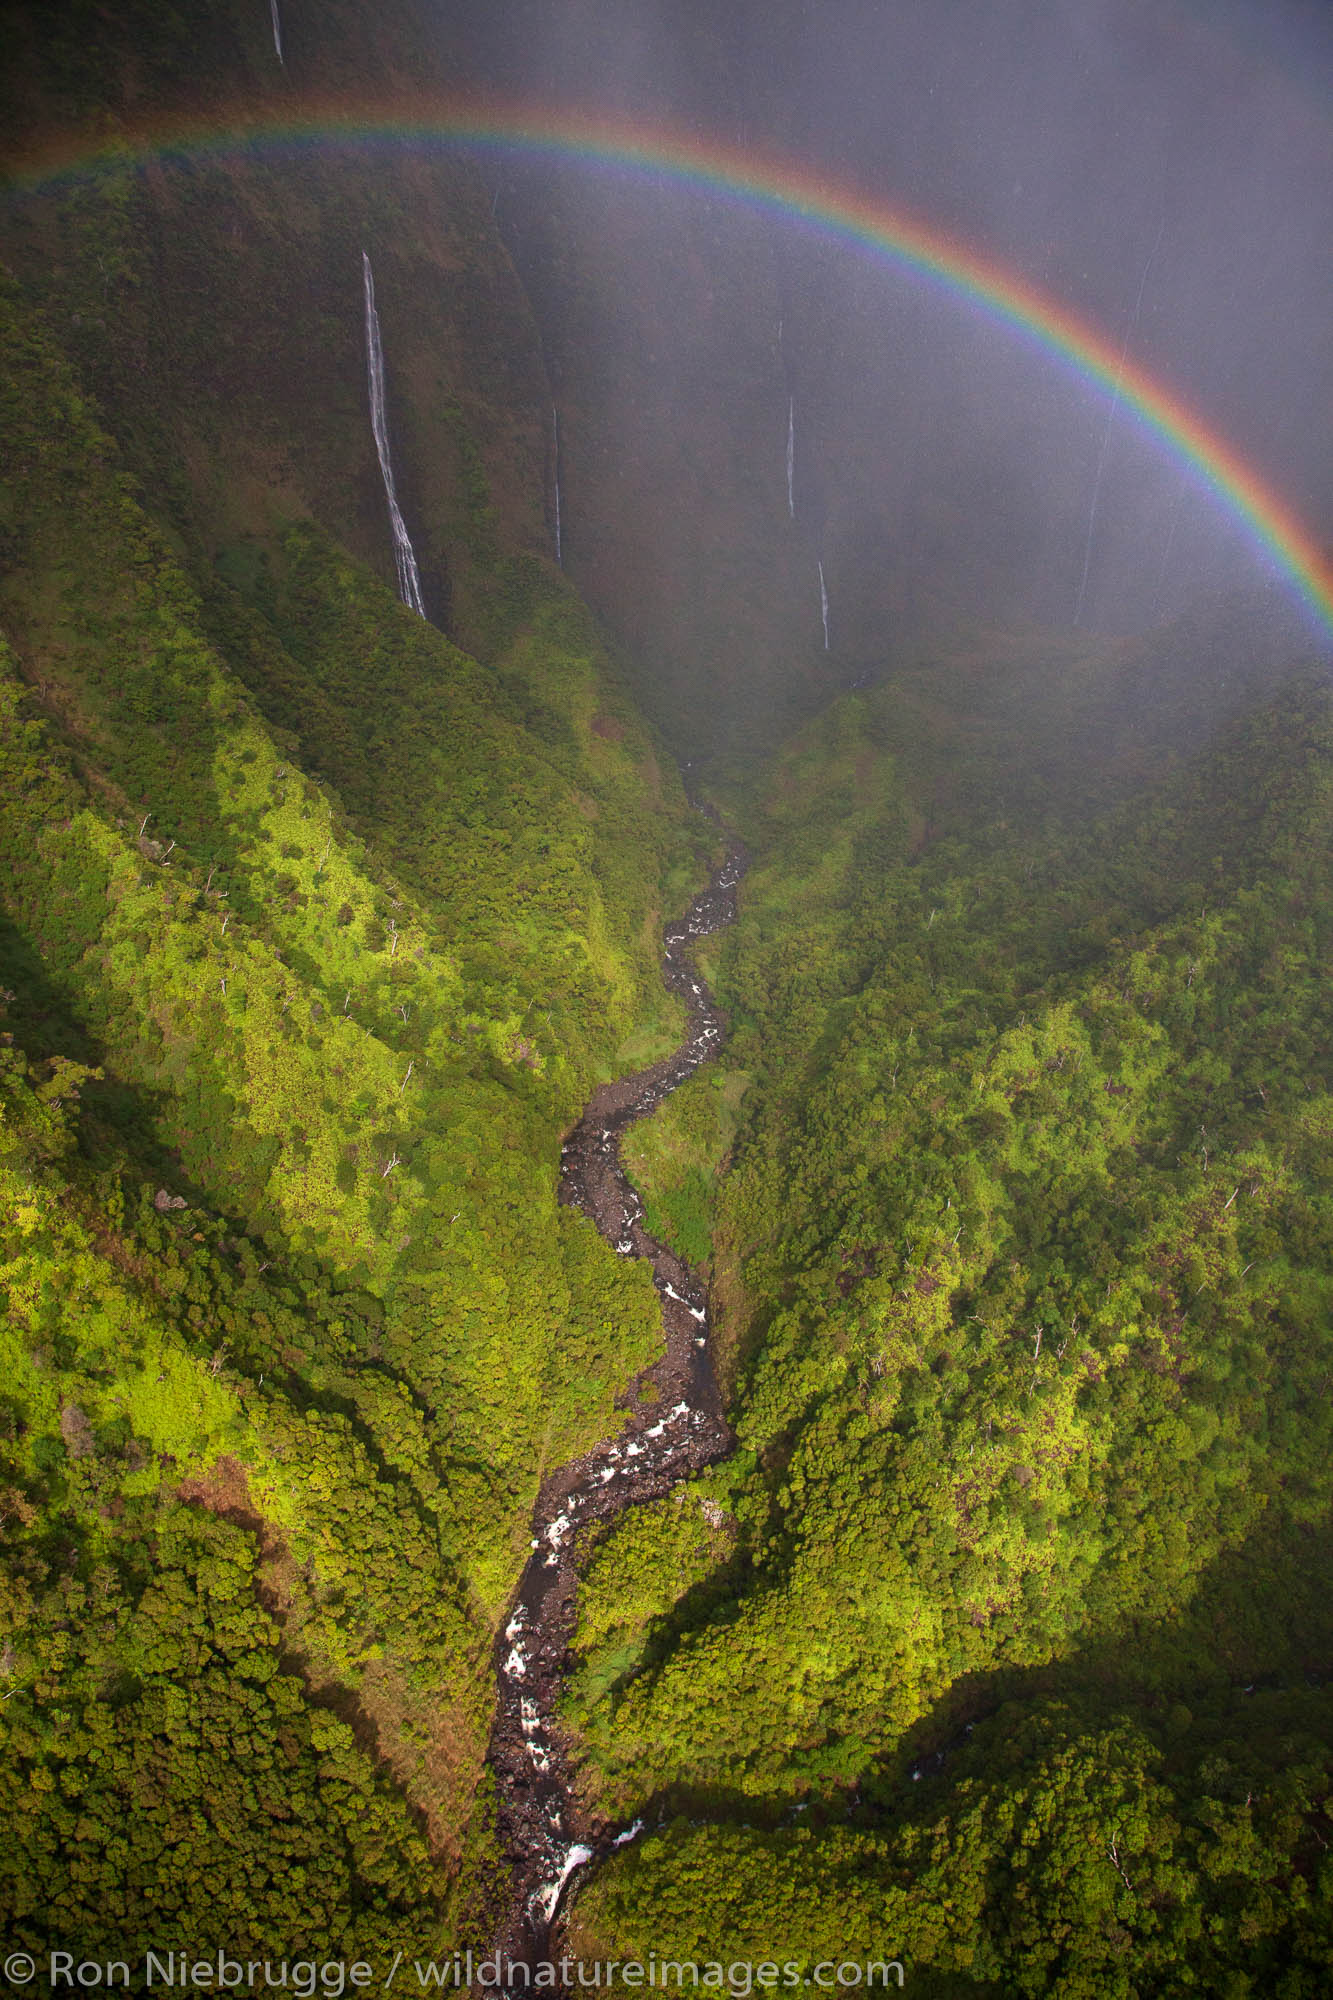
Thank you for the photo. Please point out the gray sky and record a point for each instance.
(1165, 169)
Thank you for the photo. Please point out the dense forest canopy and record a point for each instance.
(999, 1644)
(1025, 1256)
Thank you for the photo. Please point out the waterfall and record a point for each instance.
(791, 456)
(555, 445)
(823, 604)
(277, 29)
(409, 580)
(1170, 540)
(1110, 421)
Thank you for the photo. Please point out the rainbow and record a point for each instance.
(791, 192)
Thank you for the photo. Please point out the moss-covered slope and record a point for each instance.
(315, 930)
(1024, 1271)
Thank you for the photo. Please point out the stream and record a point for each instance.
(547, 1835)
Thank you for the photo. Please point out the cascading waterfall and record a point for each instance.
(791, 456)
(555, 446)
(277, 29)
(1110, 422)
(409, 579)
(823, 604)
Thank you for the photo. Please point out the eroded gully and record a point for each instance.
(672, 1431)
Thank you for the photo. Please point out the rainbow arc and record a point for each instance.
(788, 191)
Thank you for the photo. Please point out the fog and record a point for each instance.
(1165, 171)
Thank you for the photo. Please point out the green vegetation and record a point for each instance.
(315, 932)
(163, 1707)
(637, 1574)
(676, 1157)
(1000, 1644)
(1026, 1268)
(1071, 1854)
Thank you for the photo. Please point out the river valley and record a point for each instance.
(675, 1427)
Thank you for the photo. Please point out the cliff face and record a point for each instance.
(211, 295)
(317, 922)
(942, 470)
(948, 467)
(688, 342)
(688, 338)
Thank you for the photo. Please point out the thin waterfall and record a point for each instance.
(1110, 421)
(555, 447)
(1170, 541)
(277, 29)
(409, 579)
(791, 456)
(823, 604)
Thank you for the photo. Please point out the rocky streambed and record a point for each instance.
(681, 1429)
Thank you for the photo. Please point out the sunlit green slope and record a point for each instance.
(315, 931)
(1026, 1267)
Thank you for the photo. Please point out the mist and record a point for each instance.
(1164, 172)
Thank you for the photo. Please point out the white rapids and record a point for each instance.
(404, 556)
(548, 1896)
